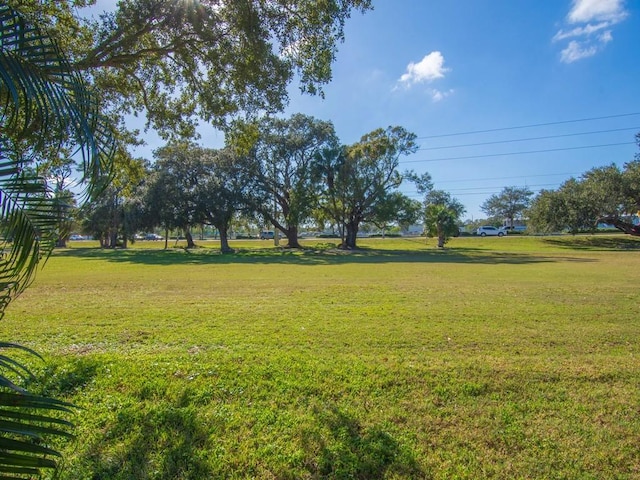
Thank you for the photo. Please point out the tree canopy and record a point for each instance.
(284, 177)
(362, 177)
(509, 204)
(441, 215)
(178, 61)
(603, 194)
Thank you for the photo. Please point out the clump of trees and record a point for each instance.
(608, 194)
(282, 172)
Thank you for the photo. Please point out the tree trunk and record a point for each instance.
(441, 236)
(351, 236)
(166, 238)
(626, 227)
(189, 237)
(292, 237)
(224, 239)
(113, 238)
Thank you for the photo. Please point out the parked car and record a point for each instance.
(516, 228)
(267, 235)
(488, 230)
(153, 236)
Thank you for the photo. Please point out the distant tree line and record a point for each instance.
(293, 172)
(280, 172)
(608, 194)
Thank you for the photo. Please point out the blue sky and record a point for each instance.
(439, 68)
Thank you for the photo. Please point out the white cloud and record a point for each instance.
(580, 31)
(592, 17)
(576, 51)
(606, 37)
(438, 95)
(430, 68)
(584, 11)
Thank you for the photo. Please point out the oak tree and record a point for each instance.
(179, 61)
(362, 178)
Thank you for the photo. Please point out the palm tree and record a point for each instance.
(45, 108)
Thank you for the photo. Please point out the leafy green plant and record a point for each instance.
(46, 112)
(23, 449)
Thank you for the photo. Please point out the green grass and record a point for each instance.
(496, 358)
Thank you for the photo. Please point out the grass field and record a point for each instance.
(509, 358)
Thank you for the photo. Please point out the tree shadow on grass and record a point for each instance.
(64, 377)
(167, 441)
(310, 256)
(596, 243)
(160, 441)
(344, 449)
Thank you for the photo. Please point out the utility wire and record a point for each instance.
(506, 178)
(517, 153)
(473, 190)
(528, 139)
(493, 188)
(529, 126)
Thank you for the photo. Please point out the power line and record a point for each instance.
(508, 178)
(528, 139)
(529, 126)
(473, 190)
(517, 153)
(492, 188)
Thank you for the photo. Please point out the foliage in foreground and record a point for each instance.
(45, 110)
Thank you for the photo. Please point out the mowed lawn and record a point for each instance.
(512, 357)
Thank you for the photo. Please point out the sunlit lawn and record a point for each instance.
(512, 357)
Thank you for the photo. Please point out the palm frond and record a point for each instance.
(45, 106)
(42, 93)
(43, 101)
(26, 422)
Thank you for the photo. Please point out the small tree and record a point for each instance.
(548, 212)
(441, 216)
(569, 208)
(510, 204)
(113, 215)
(171, 190)
(399, 210)
(221, 191)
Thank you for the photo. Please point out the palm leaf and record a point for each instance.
(26, 421)
(42, 93)
(45, 106)
(44, 103)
